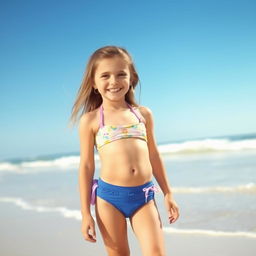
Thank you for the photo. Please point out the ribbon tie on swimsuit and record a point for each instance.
(93, 194)
(146, 190)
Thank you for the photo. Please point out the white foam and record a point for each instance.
(65, 212)
(9, 167)
(209, 232)
(62, 162)
(58, 164)
(187, 147)
(76, 214)
(245, 188)
(208, 145)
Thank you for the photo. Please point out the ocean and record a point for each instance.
(213, 182)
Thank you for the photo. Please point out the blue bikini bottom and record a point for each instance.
(126, 199)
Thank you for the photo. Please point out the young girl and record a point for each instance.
(122, 132)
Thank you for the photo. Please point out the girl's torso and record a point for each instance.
(122, 146)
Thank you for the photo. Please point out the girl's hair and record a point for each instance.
(86, 98)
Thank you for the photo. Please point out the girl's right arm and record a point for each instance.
(86, 172)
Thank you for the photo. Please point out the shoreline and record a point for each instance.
(26, 233)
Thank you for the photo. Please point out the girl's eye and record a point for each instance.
(122, 74)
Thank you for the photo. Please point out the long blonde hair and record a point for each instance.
(86, 98)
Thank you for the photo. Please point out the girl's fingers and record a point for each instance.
(90, 235)
(173, 214)
(171, 219)
(175, 211)
(93, 232)
(91, 239)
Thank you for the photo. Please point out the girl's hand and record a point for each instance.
(88, 228)
(172, 208)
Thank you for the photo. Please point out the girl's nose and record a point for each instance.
(112, 80)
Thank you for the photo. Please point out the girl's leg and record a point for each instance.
(113, 228)
(146, 224)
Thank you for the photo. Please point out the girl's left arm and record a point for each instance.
(159, 171)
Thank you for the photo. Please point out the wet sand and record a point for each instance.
(29, 233)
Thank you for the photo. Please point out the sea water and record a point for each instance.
(213, 182)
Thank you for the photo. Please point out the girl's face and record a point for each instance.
(112, 78)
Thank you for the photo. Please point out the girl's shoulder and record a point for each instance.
(90, 120)
(145, 112)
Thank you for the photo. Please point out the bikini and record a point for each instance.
(126, 199)
(110, 133)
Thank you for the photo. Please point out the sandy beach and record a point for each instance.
(29, 233)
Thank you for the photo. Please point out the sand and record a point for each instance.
(29, 233)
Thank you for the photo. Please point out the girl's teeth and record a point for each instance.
(115, 90)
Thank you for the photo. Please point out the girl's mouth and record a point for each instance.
(114, 90)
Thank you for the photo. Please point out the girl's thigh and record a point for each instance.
(147, 226)
(113, 228)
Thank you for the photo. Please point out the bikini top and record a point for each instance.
(109, 133)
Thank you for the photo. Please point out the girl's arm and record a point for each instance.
(86, 172)
(86, 166)
(154, 155)
(159, 171)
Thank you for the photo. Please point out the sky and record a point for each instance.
(196, 61)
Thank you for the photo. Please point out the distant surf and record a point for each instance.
(209, 145)
(67, 161)
(244, 188)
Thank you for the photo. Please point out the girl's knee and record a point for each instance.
(117, 251)
(154, 251)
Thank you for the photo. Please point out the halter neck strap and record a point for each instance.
(131, 108)
(102, 115)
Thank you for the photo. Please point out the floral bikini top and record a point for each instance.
(109, 133)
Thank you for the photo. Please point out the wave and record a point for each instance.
(208, 145)
(29, 166)
(186, 147)
(76, 214)
(65, 212)
(245, 188)
(24, 167)
(209, 232)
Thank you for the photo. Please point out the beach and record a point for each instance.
(213, 181)
(26, 233)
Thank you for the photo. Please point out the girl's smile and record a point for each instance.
(112, 77)
(114, 90)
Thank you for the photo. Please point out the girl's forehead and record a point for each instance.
(111, 64)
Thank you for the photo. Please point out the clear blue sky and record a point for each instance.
(196, 61)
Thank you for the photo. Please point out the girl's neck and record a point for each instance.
(114, 106)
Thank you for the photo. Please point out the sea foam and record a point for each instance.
(76, 215)
(208, 145)
(71, 162)
(244, 188)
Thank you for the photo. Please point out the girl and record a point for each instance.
(122, 132)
